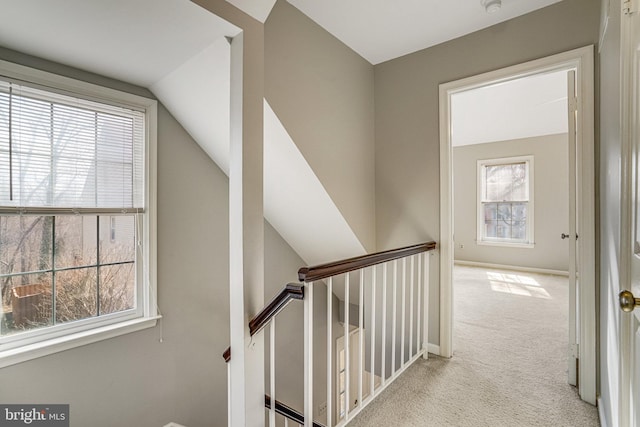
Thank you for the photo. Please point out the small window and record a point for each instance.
(75, 213)
(505, 201)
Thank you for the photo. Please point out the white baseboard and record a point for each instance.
(603, 419)
(511, 267)
(433, 349)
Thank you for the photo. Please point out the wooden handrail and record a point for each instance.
(290, 292)
(322, 271)
(287, 294)
(287, 411)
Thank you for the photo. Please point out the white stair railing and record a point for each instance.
(349, 358)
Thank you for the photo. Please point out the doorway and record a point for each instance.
(581, 166)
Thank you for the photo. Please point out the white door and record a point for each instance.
(630, 238)
(573, 233)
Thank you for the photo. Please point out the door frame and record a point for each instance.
(582, 60)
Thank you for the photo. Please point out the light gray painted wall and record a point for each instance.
(135, 379)
(322, 92)
(407, 128)
(551, 202)
(610, 153)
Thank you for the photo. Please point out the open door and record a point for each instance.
(629, 402)
(573, 232)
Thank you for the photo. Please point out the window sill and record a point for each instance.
(54, 345)
(506, 244)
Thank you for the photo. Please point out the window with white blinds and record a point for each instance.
(77, 213)
(59, 151)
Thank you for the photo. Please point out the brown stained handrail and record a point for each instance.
(287, 294)
(322, 271)
(287, 411)
(290, 292)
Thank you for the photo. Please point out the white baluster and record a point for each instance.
(425, 316)
(347, 343)
(361, 335)
(419, 304)
(308, 355)
(404, 305)
(272, 371)
(395, 304)
(383, 360)
(411, 309)
(329, 348)
(372, 375)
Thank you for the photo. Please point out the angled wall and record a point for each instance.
(322, 92)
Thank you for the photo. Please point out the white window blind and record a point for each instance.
(59, 151)
(506, 182)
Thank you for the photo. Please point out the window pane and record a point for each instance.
(519, 230)
(490, 211)
(519, 211)
(117, 238)
(25, 243)
(506, 182)
(26, 302)
(504, 213)
(502, 230)
(76, 240)
(117, 288)
(490, 229)
(76, 294)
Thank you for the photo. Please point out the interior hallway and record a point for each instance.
(509, 366)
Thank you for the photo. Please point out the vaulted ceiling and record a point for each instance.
(177, 50)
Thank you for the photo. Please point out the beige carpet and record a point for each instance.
(509, 365)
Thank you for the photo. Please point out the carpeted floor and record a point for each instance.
(509, 365)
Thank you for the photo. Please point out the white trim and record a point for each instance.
(506, 244)
(511, 267)
(582, 60)
(433, 349)
(601, 415)
(66, 342)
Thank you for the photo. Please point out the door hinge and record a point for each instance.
(573, 104)
(575, 350)
(629, 6)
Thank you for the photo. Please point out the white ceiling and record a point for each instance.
(521, 108)
(134, 41)
(380, 30)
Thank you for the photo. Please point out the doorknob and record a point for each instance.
(628, 302)
(566, 236)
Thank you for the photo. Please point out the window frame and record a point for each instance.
(41, 342)
(528, 242)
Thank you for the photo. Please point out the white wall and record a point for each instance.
(551, 202)
(407, 127)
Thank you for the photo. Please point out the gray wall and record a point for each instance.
(407, 128)
(322, 92)
(551, 205)
(610, 153)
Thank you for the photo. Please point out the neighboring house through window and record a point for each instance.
(76, 252)
(505, 201)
